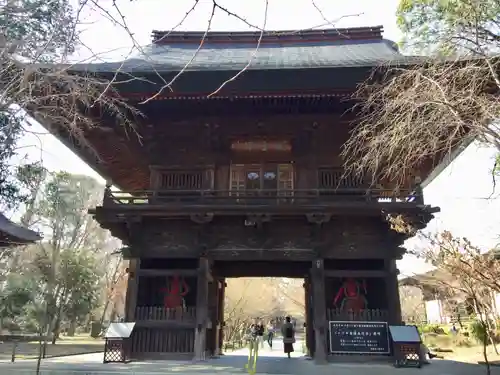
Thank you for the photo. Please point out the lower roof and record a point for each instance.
(12, 234)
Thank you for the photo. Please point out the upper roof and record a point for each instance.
(12, 234)
(195, 51)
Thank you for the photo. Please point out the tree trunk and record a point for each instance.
(104, 311)
(72, 328)
(485, 356)
(56, 330)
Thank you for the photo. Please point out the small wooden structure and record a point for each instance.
(117, 347)
(406, 346)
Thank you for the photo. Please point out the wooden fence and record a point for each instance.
(371, 315)
(186, 314)
(164, 342)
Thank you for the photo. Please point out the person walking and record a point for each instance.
(257, 329)
(260, 333)
(288, 333)
(270, 334)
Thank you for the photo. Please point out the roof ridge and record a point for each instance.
(331, 34)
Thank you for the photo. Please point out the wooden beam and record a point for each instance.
(201, 310)
(319, 308)
(259, 254)
(174, 272)
(164, 252)
(355, 273)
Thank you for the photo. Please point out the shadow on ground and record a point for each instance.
(270, 362)
(234, 365)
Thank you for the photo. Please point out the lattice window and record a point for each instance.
(181, 180)
(285, 179)
(237, 180)
(266, 177)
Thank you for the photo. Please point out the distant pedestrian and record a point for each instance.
(288, 333)
(270, 334)
(454, 330)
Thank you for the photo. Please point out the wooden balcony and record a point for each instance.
(245, 198)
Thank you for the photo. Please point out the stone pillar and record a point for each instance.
(392, 290)
(319, 310)
(132, 289)
(200, 337)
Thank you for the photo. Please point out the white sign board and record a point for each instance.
(119, 330)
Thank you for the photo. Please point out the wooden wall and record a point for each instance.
(205, 143)
(229, 238)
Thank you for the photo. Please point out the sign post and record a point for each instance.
(348, 337)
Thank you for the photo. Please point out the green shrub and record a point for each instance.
(432, 328)
(478, 331)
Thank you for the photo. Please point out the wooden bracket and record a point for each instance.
(202, 218)
(259, 219)
(318, 218)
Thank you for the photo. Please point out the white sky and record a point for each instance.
(462, 191)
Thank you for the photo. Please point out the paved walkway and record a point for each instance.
(271, 362)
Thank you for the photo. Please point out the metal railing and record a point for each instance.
(257, 197)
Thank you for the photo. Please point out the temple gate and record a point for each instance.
(247, 182)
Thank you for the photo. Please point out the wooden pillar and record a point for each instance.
(132, 289)
(319, 311)
(220, 310)
(309, 318)
(200, 336)
(392, 291)
(213, 329)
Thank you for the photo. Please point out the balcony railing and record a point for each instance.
(159, 313)
(258, 197)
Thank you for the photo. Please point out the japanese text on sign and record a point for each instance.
(359, 337)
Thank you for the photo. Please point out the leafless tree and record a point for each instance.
(416, 114)
(412, 304)
(464, 272)
(422, 111)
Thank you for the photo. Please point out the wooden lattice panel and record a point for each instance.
(408, 355)
(114, 351)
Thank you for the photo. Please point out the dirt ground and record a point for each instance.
(63, 347)
(472, 354)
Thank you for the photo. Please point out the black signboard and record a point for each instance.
(359, 338)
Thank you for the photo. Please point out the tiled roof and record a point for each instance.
(15, 233)
(278, 50)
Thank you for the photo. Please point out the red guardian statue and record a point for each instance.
(351, 296)
(175, 292)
